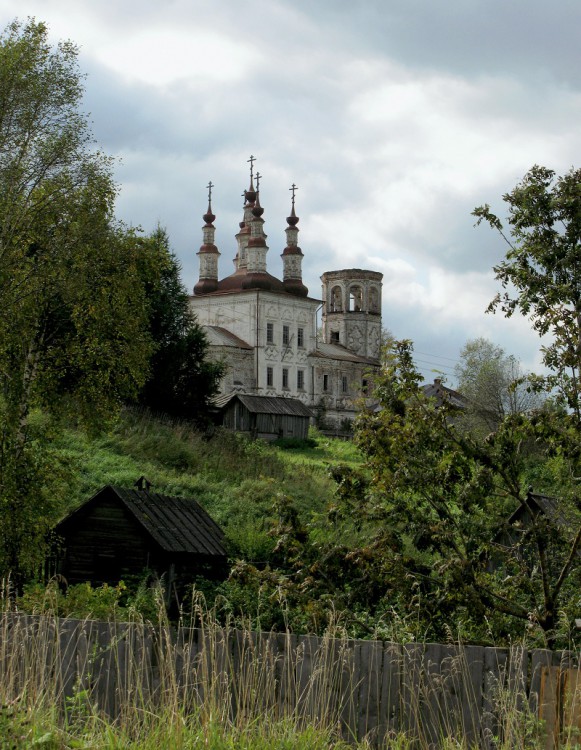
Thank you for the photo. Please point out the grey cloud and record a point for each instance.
(528, 38)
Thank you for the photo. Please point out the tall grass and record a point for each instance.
(133, 685)
(88, 684)
(235, 479)
(181, 461)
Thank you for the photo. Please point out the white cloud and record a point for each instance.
(164, 56)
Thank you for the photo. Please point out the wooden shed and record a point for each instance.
(266, 417)
(556, 521)
(122, 532)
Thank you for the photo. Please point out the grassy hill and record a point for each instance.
(234, 479)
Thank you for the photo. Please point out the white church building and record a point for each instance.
(265, 329)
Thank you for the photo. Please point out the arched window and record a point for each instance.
(356, 298)
(373, 300)
(336, 301)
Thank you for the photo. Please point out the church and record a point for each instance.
(264, 329)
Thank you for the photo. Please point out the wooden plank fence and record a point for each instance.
(369, 689)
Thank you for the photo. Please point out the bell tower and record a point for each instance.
(352, 310)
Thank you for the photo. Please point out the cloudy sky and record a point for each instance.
(395, 118)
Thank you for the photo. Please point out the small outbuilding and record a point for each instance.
(444, 395)
(554, 520)
(266, 417)
(121, 532)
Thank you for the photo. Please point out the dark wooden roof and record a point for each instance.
(266, 404)
(177, 525)
(551, 507)
(444, 395)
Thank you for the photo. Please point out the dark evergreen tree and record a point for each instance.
(182, 379)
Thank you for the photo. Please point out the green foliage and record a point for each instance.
(73, 312)
(292, 443)
(427, 530)
(21, 728)
(542, 270)
(32, 484)
(120, 602)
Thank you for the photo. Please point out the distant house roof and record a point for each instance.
(551, 507)
(177, 525)
(444, 395)
(266, 404)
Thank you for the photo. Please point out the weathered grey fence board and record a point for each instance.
(495, 666)
(572, 702)
(517, 675)
(390, 706)
(67, 645)
(370, 660)
(371, 689)
(472, 679)
(541, 660)
(412, 665)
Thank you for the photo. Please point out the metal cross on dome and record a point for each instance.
(294, 188)
(258, 176)
(210, 185)
(251, 160)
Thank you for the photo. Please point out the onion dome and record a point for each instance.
(292, 255)
(208, 252)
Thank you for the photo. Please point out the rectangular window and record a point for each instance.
(269, 377)
(344, 384)
(285, 335)
(285, 378)
(300, 337)
(270, 333)
(334, 337)
(325, 382)
(300, 380)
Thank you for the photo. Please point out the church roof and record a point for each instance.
(336, 351)
(242, 279)
(218, 336)
(250, 259)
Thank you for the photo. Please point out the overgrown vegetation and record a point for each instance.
(91, 313)
(84, 684)
(408, 531)
(234, 478)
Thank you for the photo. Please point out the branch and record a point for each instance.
(567, 566)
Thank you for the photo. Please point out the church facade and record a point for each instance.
(264, 329)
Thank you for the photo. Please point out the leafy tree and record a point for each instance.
(439, 501)
(438, 506)
(494, 384)
(541, 273)
(182, 379)
(73, 310)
